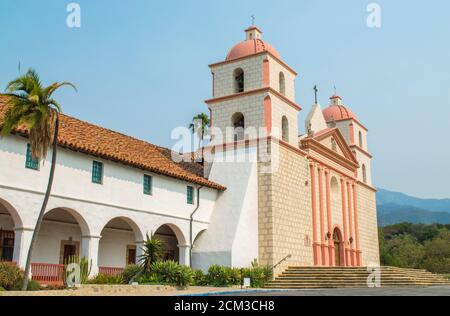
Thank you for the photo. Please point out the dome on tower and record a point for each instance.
(252, 45)
(337, 111)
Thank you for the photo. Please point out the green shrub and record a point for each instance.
(130, 272)
(33, 286)
(10, 276)
(220, 276)
(169, 272)
(184, 277)
(107, 279)
(200, 279)
(2, 289)
(258, 275)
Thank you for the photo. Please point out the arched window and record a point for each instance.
(285, 129)
(364, 173)
(334, 185)
(238, 122)
(239, 80)
(282, 83)
(360, 139)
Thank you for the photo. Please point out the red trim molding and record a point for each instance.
(253, 92)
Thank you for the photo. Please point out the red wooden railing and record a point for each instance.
(46, 273)
(110, 271)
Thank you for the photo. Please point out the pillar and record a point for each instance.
(22, 241)
(324, 254)
(139, 250)
(184, 254)
(350, 225)
(344, 221)
(316, 243)
(89, 250)
(355, 212)
(331, 257)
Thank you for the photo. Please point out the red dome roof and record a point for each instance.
(250, 47)
(338, 113)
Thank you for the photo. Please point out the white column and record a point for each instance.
(89, 250)
(139, 250)
(22, 241)
(184, 254)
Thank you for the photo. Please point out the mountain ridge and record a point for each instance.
(397, 207)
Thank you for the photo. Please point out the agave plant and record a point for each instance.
(152, 251)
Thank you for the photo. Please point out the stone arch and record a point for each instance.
(238, 80)
(139, 235)
(11, 211)
(364, 173)
(339, 247)
(84, 226)
(9, 222)
(282, 83)
(175, 244)
(198, 237)
(119, 242)
(284, 129)
(238, 123)
(334, 185)
(60, 236)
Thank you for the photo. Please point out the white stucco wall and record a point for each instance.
(95, 205)
(232, 237)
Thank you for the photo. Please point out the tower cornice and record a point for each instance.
(225, 62)
(252, 92)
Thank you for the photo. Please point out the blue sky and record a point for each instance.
(141, 67)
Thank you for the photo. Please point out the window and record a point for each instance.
(148, 185)
(239, 83)
(364, 173)
(334, 185)
(282, 83)
(190, 195)
(6, 245)
(31, 163)
(97, 172)
(238, 122)
(285, 129)
(360, 139)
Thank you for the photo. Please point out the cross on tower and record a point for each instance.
(253, 20)
(315, 94)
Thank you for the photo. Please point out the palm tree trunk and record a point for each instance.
(43, 208)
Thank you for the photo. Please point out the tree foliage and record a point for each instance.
(416, 246)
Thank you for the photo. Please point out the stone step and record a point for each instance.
(353, 277)
(360, 284)
(284, 277)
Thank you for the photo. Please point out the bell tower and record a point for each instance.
(254, 89)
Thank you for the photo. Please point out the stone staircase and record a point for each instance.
(353, 277)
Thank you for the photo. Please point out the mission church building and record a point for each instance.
(315, 206)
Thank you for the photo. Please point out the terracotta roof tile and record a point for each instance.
(90, 139)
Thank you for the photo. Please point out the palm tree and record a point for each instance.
(30, 104)
(200, 126)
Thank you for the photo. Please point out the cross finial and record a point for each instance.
(335, 90)
(315, 94)
(253, 20)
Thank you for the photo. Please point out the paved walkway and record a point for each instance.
(211, 291)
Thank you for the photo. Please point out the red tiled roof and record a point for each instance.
(94, 140)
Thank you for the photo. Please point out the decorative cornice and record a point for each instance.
(253, 92)
(255, 55)
(328, 153)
